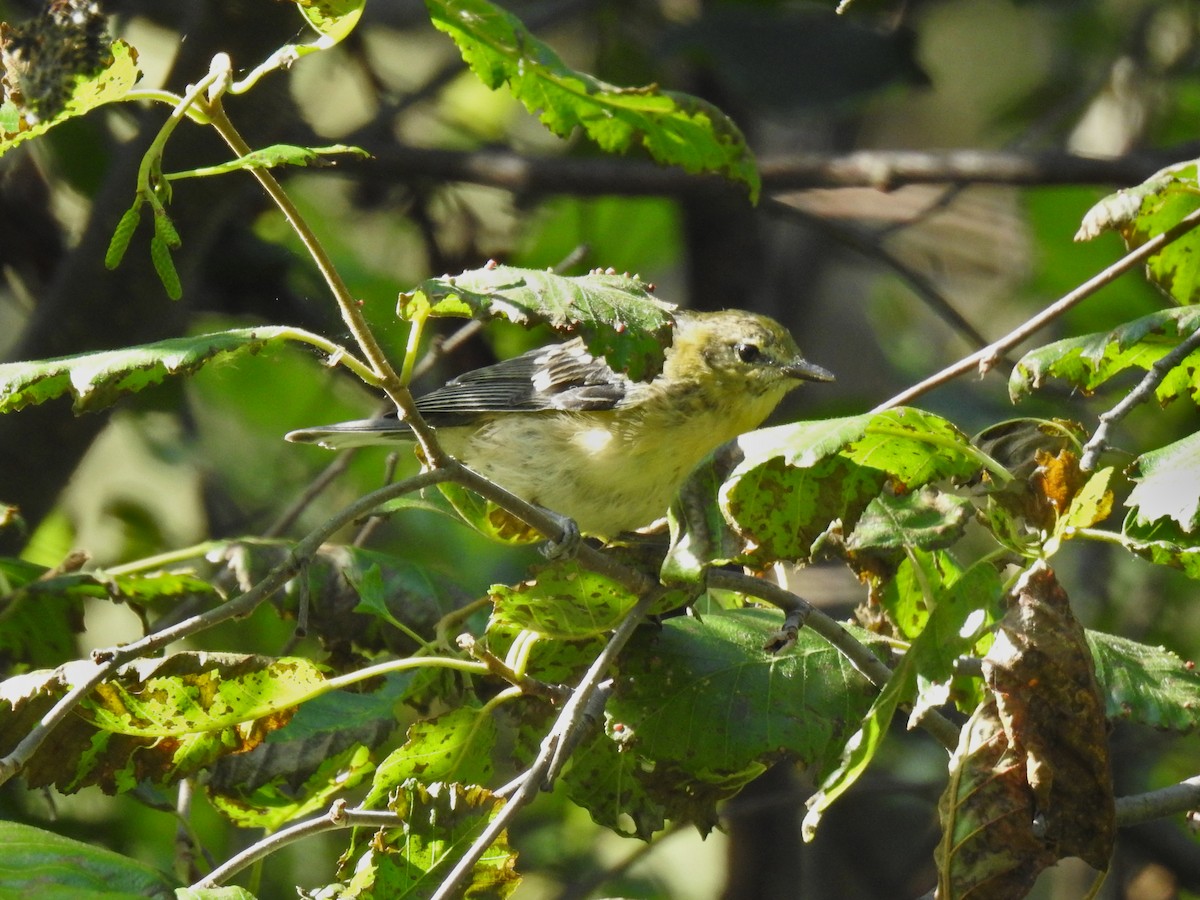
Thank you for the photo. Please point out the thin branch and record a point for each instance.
(885, 170)
(984, 359)
(874, 249)
(325, 478)
(1140, 394)
(573, 718)
(336, 818)
(1168, 801)
(351, 313)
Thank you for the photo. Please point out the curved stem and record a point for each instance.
(352, 315)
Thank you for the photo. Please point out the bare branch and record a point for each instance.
(338, 816)
(984, 359)
(882, 169)
(1168, 801)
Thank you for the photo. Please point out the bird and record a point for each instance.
(562, 429)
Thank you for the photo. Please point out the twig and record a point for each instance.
(873, 249)
(572, 718)
(984, 359)
(1140, 394)
(1167, 801)
(326, 477)
(555, 693)
(336, 818)
(369, 526)
(351, 313)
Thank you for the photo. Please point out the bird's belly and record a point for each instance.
(586, 470)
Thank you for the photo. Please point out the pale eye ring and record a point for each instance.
(746, 352)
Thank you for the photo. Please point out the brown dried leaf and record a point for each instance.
(1057, 478)
(988, 849)
(1044, 680)
(1030, 781)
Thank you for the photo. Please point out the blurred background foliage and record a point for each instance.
(461, 174)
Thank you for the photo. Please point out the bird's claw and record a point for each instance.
(567, 545)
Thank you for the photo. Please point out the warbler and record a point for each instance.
(560, 428)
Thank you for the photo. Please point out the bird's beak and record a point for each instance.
(803, 370)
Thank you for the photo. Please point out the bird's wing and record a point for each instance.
(561, 376)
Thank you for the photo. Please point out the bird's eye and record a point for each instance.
(747, 353)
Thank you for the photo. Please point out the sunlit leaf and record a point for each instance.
(674, 128)
(564, 600)
(1167, 484)
(91, 91)
(795, 480)
(616, 315)
(275, 802)
(440, 823)
(1148, 209)
(1089, 361)
(456, 746)
(1147, 685)
(333, 19)
(1163, 542)
(219, 693)
(96, 380)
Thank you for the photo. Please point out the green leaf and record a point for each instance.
(616, 315)
(333, 19)
(1167, 484)
(563, 600)
(1163, 543)
(488, 518)
(549, 661)
(926, 519)
(615, 788)
(232, 892)
(275, 155)
(156, 721)
(1142, 212)
(1146, 685)
(1089, 361)
(41, 864)
(674, 128)
(96, 380)
(946, 596)
(440, 823)
(222, 691)
(702, 708)
(276, 802)
(456, 746)
(797, 480)
(107, 86)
